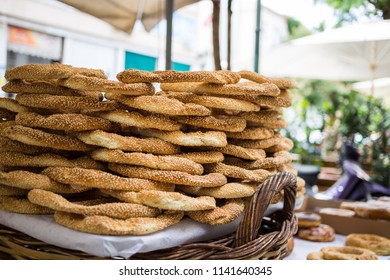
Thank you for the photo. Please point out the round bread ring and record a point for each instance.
(284, 99)
(337, 212)
(228, 212)
(46, 160)
(231, 124)
(189, 139)
(171, 76)
(174, 177)
(285, 144)
(237, 172)
(317, 256)
(43, 87)
(378, 244)
(160, 105)
(227, 89)
(348, 253)
(22, 205)
(128, 143)
(7, 115)
(175, 201)
(258, 78)
(261, 116)
(49, 71)
(276, 160)
(36, 137)
(213, 102)
(229, 190)
(91, 178)
(120, 210)
(65, 104)
(273, 124)
(202, 157)
(81, 82)
(240, 152)
(110, 226)
(148, 160)
(321, 233)
(67, 122)
(5, 124)
(12, 191)
(28, 180)
(8, 145)
(308, 219)
(139, 120)
(257, 144)
(12, 105)
(252, 133)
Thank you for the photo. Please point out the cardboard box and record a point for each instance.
(346, 225)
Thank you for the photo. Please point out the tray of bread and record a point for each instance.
(82, 154)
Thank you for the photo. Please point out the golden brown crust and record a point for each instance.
(161, 105)
(220, 123)
(228, 89)
(22, 205)
(203, 157)
(315, 256)
(258, 144)
(102, 180)
(240, 152)
(321, 233)
(171, 76)
(229, 190)
(252, 133)
(8, 145)
(12, 191)
(148, 160)
(348, 253)
(36, 137)
(68, 122)
(258, 78)
(277, 159)
(308, 219)
(50, 71)
(228, 212)
(128, 143)
(284, 99)
(12, 105)
(174, 177)
(285, 144)
(118, 210)
(231, 171)
(378, 244)
(111, 226)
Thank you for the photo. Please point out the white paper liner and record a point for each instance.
(44, 228)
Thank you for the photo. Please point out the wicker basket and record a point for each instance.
(257, 236)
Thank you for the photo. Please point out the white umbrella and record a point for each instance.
(352, 53)
(382, 89)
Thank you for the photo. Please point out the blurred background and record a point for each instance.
(337, 51)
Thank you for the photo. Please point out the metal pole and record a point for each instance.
(257, 39)
(168, 47)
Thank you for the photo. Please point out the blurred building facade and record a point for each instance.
(46, 31)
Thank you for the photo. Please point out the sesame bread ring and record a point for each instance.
(337, 212)
(120, 210)
(110, 226)
(7, 115)
(321, 233)
(126, 196)
(229, 190)
(174, 177)
(307, 219)
(8, 145)
(148, 160)
(261, 116)
(315, 256)
(190, 139)
(274, 124)
(5, 124)
(258, 144)
(237, 172)
(252, 133)
(380, 245)
(141, 120)
(128, 143)
(102, 180)
(202, 157)
(258, 78)
(277, 159)
(160, 105)
(12, 191)
(175, 201)
(228, 212)
(228, 89)
(171, 76)
(232, 124)
(28, 180)
(285, 144)
(12, 105)
(47, 159)
(65, 104)
(68, 122)
(44, 87)
(36, 137)
(240, 152)
(81, 82)
(284, 99)
(49, 71)
(213, 102)
(22, 205)
(348, 253)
